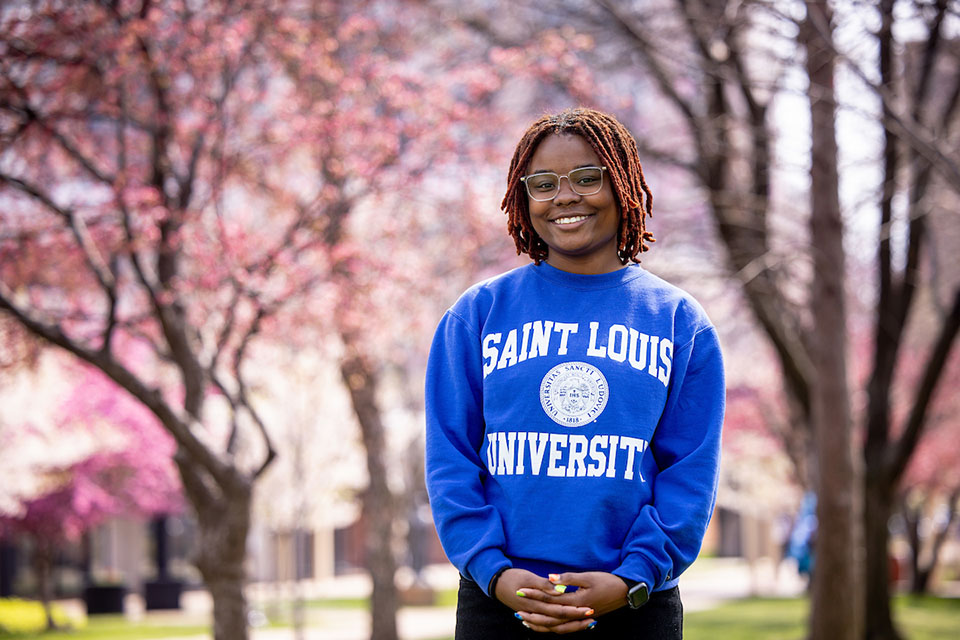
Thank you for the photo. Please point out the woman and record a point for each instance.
(559, 395)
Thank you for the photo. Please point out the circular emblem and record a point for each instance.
(574, 393)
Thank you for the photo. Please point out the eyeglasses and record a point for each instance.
(544, 186)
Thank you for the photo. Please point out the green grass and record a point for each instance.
(22, 619)
(446, 598)
(26, 616)
(116, 628)
(918, 618)
(926, 617)
(752, 619)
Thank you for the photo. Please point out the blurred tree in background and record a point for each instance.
(105, 456)
(714, 87)
(185, 182)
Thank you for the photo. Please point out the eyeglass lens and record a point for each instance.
(545, 186)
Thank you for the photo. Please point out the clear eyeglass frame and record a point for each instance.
(571, 179)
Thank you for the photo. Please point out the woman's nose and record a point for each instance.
(565, 192)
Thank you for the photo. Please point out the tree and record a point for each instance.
(186, 180)
(719, 79)
(721, 66)
(836, 584)
(133, 233)
(916, 164)
(373, 146)
(121, 465)
(928, 496)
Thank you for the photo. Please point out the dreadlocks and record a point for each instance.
(617, 150)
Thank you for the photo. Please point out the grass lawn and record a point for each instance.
(25, 618)
(923, 618)
(110, 627)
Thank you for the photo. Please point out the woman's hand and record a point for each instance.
(601, 591)
(538, 603)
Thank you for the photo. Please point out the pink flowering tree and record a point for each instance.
(398, 151)
(122, 464)
(182, 180)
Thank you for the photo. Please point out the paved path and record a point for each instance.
(708, 583)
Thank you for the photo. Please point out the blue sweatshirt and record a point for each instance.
(573, 424)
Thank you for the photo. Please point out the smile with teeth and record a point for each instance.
(570, 220)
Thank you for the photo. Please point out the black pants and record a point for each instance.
(480, 617)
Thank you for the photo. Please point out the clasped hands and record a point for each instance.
(543, 607)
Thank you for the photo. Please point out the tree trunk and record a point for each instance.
(378, 506)
(921, 572)
(835, 597)
(43, 566)
(878, 506)
(223, 529)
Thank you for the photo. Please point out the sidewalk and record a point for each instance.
(708, 583)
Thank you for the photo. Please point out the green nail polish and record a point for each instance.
(560, 588)
(521, 594)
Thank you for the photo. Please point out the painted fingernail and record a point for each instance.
(588, 613)
(521, 594)
(518, 616)
(527, 625)
(592, 625)
(560, 588)
(554, 577)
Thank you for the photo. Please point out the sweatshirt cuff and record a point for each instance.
(485, 565)
(636, 568)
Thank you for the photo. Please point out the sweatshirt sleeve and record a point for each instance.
(665, 537)
(470, 529)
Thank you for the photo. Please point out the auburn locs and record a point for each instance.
(617, 150)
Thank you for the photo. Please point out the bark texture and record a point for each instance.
(835, 598)
(378, 504)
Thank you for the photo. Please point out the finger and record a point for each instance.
(566, 582)
(570, 579)
(560, 594)
(557, 610)
(550, 595)
(532, 593)
(541, 622)
(558, 613)
(573, 627)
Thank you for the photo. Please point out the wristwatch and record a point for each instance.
(637, 593)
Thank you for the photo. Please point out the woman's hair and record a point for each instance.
(617, 151)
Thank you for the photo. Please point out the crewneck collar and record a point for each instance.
(588, 282)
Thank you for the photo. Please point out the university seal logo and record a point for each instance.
(574, 393)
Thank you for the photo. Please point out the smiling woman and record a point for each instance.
(558, 394)
(586, 141)
(580, 230)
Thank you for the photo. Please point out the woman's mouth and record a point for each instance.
(569, 220)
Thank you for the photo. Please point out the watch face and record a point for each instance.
(638, 595)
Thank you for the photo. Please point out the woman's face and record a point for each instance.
(580, 231)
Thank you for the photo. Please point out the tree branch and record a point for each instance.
(178, 426)
(916, 421)
(645, 49)
(77, 226)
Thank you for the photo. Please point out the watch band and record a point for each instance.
(627, 581)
